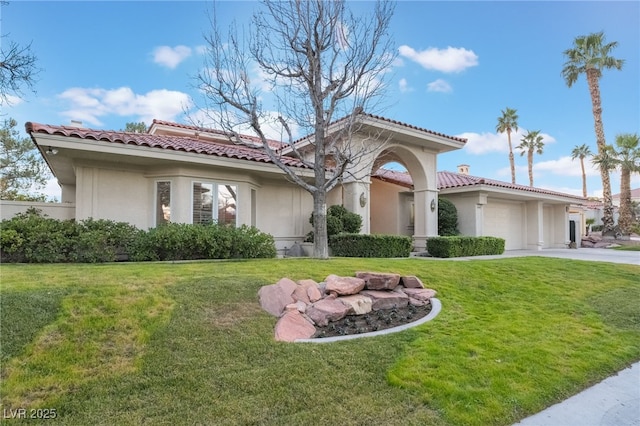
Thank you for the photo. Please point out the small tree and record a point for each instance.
(508, 122)
(136, 127)
(447, 218)
(582, 152)
(321, 63)
(22, 169)
(531, 143)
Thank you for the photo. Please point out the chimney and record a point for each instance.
(76, 123)
(463, 169)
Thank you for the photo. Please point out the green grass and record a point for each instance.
(187, 343)
(630, 247)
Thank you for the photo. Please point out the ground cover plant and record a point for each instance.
(187, 343)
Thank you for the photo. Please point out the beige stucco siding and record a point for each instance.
(122, 196)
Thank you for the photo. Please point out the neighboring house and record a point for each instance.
(188, 174)
(635, 197)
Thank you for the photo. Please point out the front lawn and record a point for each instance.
(187, 343)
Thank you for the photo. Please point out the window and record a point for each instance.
(163, 202)
(223, 197)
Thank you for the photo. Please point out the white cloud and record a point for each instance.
(169, 56)
(565, 166)
(269, 123)
(89, 104)
(439, 85)
(451, 59)
(11, 100)
(404, 87)
(483, 143)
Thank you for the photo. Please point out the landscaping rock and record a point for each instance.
(411, 281)
(292, 325)
(416, 302)
(300, 294)
(379, 280)
(420, 293)
(358, 304)
(274, 298)
(387, 299)
(311, 287)
(343, 286)
(326, 310)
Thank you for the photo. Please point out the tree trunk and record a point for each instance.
(320, 238)
(594, 91)
(625, 219)
(584, 179)
(511, 159)
(530, 161)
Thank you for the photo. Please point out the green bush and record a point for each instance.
(339, 220)
(447, 218)
(177, 241)
(33, 238)
(358, 245)
(459, 246)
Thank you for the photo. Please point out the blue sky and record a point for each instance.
(459, 64)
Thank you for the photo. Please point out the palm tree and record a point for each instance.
(628, 158)
(582, 152)
(508, 122)
(590, 55)
(531, 142)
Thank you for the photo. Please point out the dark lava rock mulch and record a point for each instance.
(373, 321)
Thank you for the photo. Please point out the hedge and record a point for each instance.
(33, 238)
(359, 245)
(459, 246)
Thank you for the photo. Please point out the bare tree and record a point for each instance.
(320, 62)
(17, 68)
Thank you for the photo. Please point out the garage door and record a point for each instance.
(505, 220)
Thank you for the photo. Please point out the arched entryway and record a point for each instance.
(395, 209)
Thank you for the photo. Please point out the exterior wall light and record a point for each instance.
(363, 200)
(52, 151)
(433, 205)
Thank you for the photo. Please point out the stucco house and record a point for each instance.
(188, 174)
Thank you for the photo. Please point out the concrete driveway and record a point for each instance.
(591, 254)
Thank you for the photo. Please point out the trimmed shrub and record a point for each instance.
(447, 218)
(358, 245)
(459, 246)
(339, 220)
(178, 241)
(33, 238)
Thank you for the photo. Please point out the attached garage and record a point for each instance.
(505, 220)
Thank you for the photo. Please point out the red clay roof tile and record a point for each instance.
(176, 143)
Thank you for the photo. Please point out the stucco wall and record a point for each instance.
(60, 211)
(122, 196)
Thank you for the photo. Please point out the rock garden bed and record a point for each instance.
(341, 306)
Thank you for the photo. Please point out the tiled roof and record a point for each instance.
(247, 138)
(388, 120)
(410, 126)
(456, 180)
(635, 193)
(174, 143)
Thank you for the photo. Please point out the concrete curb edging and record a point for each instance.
(436, 307)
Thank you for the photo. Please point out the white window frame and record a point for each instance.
(214, 201)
